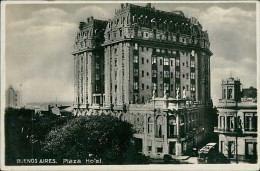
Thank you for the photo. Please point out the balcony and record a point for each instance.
(225, 130)
(172, 136)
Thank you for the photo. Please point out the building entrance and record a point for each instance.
(172, 148)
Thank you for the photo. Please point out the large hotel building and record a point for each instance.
(150, 68)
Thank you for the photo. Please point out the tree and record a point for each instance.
(25, 132)
(103, 136)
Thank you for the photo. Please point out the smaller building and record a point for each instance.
(237, 123)
(249, 92)
(13, 98)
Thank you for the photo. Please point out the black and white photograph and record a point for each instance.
(136, 85)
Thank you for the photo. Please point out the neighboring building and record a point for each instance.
(13, 98)
(237, 123)
(89, 63)
(145, 57)
(249, 92)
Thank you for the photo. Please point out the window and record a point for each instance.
(135, 85)
(97, 65)
(230, 93)
(187, 64)
(115, 88)
(143, 99)
(172, 126)
(161, 74)
(153, 60)
(136, 72)
(231, 149)
(224, 93)
(192, 75)
(187, 87)
(171, 87)
(147, 60)
(177, 85)
(171, 74)
(159, 122)
(142, 60)
(136, 46)
(159, 150)
(147, 87)
(149, 148)
(171, 62)
(230, 122)
(250, 148)
(97, 76)
(165, 61)
(154, 73)
(147, 73)
(160, 61)
(166, 86)
(97, 87)
(135, 59)
(142, 86)
(248, 121)
(254, 122)
(187, 75)
(192, 87)
(142, 48)
(114, 35)
(150, 125)
(142, 73)
(166, 74)
(121, 33)
(174, 38)
(177, 62)
(192, 64)
(154, 86)
(145, 35)
(115, 74)
(177, 74)
(115, 62)
(183, 75)
(183, 64)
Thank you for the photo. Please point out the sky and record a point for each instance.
(40, 38)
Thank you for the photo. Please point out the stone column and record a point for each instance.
(225, 120)
(107, 75)
(165, 148)
(90, 78)
(145, 135)
(84, 78)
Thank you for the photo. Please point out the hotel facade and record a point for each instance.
(150, 68)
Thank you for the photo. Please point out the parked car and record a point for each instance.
(194, 152)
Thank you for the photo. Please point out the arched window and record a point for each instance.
(172, 127)
(159, 123)
(150, 125)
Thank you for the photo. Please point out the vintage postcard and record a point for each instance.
(158, 85)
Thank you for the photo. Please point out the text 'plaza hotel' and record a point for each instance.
(150, 68)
